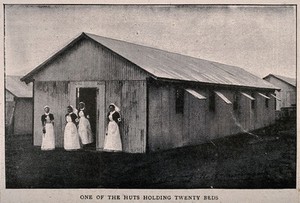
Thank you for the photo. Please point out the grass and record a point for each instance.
(240, 161)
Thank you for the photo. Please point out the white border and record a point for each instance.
(73, 195)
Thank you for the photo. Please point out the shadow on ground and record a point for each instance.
(266, 159)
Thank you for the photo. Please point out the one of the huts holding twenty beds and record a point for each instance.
(168, 100)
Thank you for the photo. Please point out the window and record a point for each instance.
(253, 101)
(275, 101)
(212, 101)
(179, 100)
(292, 96)
(267, 102)
(235, 101)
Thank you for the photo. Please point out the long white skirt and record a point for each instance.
(112, 139)
(48, 141)
(71, 137)
(84, 130)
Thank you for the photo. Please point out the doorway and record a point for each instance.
(88, 95)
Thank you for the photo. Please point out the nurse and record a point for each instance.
(84, 126)
(48, 140)
(112, 140)
(71, 137)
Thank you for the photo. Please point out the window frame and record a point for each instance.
(267, 102)
(236, 101)
(253, 102)
(212, 101)
(179, 100)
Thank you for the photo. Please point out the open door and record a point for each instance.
(88, 95)
(92, 93)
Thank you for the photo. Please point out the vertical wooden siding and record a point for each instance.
(264, 116)
(55, 95)
(287, 94)
(194, 130)
(23, 116)
(165, 126)
(130, 96)
(198, 124)
(125, 85)
(9, 96)
(9, 113)
(245, 112)
(87, 60)
(155, 137)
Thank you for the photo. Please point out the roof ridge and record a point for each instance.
(285, 79)
(166, 64)
(284, 76)
(162, 50)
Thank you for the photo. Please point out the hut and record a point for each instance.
(287, 94)
(167, 100)
(286, 97)
(18, 106)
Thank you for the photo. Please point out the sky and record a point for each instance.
(259, 39)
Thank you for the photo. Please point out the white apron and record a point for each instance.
(112, 139)
(71, 137)
(84, 129)
(48, 140)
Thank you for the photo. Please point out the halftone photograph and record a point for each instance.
(150, 96)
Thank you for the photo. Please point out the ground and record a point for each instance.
(264, 159)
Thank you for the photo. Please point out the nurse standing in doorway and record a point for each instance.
(71, 137)
(84, 126)
(112, 140)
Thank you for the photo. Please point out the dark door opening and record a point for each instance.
(89, 97)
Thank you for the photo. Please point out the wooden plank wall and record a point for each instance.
(194, 120)
(155, 138)
(260, 111)
(287, 94)
(101, 117)
(223, 119)
(198, 124)
(9, 96)
(218, 121)
(235, 120)
(23, 116)
(244, 111)
(55, 95)
(272, 116)
(130, 96)
(165, 126)
(125, 85)
(87, 60)
(9, 112)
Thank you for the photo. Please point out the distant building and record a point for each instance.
(167, 100)
(287, 93)
(18, 106)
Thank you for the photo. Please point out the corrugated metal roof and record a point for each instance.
(167, 65)
(291, 81)
(18, 88)
(163, 64)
